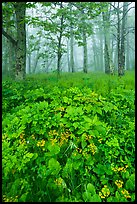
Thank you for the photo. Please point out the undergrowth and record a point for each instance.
(69, 139)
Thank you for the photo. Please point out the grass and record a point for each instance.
(96, 81)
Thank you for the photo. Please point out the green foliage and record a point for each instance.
(68, 142)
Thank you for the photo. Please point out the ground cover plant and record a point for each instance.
(68, 139)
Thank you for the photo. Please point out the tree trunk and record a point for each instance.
(36, 62)
(20, 8)
(85, 69)
(118, 42)
(107, 58)
(95, 54)
(106, 23)
(101, 52)
(71, 50)
(28, 52)
(59, 54)
(68, 56)
(115, 60)
(123, 35)
(127, 54)
(5, 71)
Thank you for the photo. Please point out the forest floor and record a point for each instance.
(69, 138)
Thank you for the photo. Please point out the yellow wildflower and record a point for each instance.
(33, 137)
(123, 169)
(93, 148)
(23, 141)
(59, 181)
(120, 168)
(38, 144)
(53, 141)
(125, 193)
(119, 183)
(100, 140)
(41, 143)
(101, 195)
(21, 135)
(105, 192)
(75, 154)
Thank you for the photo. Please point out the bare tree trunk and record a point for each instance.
(72, 49)
(118, 42)
(85, 69)
(28, 53)
(123, 35)
(127, 54)
(12, 60)
(20, 8)
(59, 54)
(5, 71)
(101, 52)
(68, 56)
(115, 60)
(106, 23)
(71, 42)
(36, 61)
(95, 54)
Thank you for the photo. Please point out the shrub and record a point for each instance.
(67, 144)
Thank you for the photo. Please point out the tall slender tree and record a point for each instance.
(106, 23)
(121, 67)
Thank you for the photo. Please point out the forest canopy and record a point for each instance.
(67, 37)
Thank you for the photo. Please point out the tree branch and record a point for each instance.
(14, 42)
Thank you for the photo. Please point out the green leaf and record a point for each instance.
(76, 165)
(87, 119)
(100, 169)
(76, 124)
(83, 142)
(130, 183)
(95, 119)
(133, 197)
(86, 196)
(54, 166)
(113, 142)
(117, 194)
(91, 188)
(54, 149)
(110, 199)
(23, 197)
(35, 155)
(65, 99)
(95, 198)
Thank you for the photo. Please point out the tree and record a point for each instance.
(71, 42)
(121, 67)
(19, 44)
(121, 36)
(9, 54)
(87, 12)
(106, 23)
(20, 9)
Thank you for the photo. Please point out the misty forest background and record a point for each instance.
(67, 37)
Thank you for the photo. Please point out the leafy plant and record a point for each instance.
(67, 144)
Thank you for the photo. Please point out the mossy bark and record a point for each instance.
(20, 72)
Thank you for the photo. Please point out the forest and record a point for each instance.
(68, 101)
